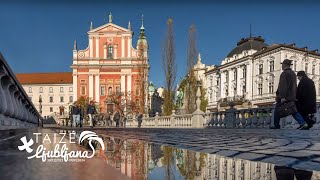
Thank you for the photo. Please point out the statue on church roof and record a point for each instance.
(110, 18)
(151, 87)
(75, 45)
(91, 27)
(129, 26)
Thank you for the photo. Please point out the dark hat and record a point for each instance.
(301, 73)
(287, 62)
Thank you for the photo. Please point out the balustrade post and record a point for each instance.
(144, 120)
(230, 117)
(198, 116)
(173, 119)
(156, 120)
(262, 114)
(254, 121)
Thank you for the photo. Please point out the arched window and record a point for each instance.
(83, 90)
(110, 91)
(271, 86)
(110, 52)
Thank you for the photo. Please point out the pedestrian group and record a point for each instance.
(297, 101)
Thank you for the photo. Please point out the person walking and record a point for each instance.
(81, 116)
(108, 119)
(91, 110)
(116, 118)
(124, 121)
(75, 111)
(139, 118)
(286, 93)
(306, 98)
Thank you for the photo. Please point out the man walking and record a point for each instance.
(286, 93)
(124, 120)
(75, 111)
(116, 118)
(306, 96)
(91, 109)
(139, 118)
(81, 116)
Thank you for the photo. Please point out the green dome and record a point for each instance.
(151, 87)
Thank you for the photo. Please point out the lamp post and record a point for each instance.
(198, 95)
(40, 108)
(40, 104)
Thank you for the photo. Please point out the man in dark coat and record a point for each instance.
(91, 109)
(139, 118)
(286, 92)
(306, 96)
(81, 116)
(75, 111)
(116, 118)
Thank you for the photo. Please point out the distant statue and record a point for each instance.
(180, 98)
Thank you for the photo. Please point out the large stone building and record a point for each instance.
(54, 89)
(111, 65)
(249, 75)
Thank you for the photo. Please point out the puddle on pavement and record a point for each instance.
(140, 160)
(144, 160)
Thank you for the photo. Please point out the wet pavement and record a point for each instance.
(168, 154)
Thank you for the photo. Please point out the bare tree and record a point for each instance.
(192, 48)
(124, 103)
(169, 68)
(190, 88)
(142, 76)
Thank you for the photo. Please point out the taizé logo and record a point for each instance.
(63, 153)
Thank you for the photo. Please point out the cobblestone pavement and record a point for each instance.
(292, 148)
(14, 164)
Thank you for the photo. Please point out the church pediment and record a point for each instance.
(110, 27)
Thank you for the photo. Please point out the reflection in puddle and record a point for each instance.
(141, 160)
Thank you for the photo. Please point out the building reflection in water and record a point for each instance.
(141, 160)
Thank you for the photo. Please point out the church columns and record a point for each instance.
(91, 86)
(97, 88)
(122, 47)
(91, 46)
(75, 85)
(105, 52)
(129, 83)
(129, 47)
(123, 83)
(97, 47)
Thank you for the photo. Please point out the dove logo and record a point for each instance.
(60, 151)
(90, 136)
(26, 145)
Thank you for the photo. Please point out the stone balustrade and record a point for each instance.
(16, 109)
(231, 118)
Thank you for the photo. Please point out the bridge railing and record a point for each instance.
(231, 118)
(16, 109)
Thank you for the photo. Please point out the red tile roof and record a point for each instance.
(45, 78)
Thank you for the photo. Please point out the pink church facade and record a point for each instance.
(110, 65)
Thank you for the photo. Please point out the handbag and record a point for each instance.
(287, 108)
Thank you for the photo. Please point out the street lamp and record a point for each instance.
(40, 104)
(198, 95)
(40, 108)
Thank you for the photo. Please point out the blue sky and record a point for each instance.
(38, 37)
